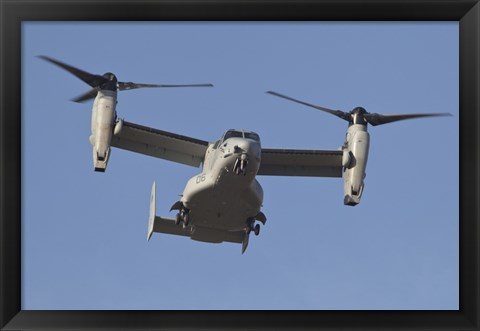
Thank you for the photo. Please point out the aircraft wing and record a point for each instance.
(297, 162)
(161, 144)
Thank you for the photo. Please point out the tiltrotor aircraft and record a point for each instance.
(223, 203)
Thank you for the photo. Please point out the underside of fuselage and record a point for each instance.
(224, 203)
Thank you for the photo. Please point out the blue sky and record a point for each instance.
(84, 233)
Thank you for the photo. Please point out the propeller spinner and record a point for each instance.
(107, 81)
(360, 116)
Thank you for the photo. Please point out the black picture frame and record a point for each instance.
(13, 13)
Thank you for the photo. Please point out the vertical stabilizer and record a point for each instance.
(151, 218)
(245, 242)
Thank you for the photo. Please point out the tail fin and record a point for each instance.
(151, 218)
(245, 242)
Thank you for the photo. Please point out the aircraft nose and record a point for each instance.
(250, 148)
(247, 157)
(242, 146)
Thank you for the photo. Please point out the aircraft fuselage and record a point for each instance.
(225, 195)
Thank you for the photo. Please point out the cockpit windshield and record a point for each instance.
(233, 134)
(241, 134)
(252, 135)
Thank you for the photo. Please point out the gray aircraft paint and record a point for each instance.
(103, 117)
(220, 198)
(223, 202)
(356, 148)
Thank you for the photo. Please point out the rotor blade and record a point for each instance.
(90, 79)
(86, 96)
(130, 86)
(378, 119)
(343, 115)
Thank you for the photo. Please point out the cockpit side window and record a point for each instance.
(215, 146)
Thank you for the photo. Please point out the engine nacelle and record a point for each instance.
(356, 147)
(103, 118)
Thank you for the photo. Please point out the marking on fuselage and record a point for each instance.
(200, 178)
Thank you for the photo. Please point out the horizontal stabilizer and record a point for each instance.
(216, 235)
(198, 233)
(168, 226)
(161, 224)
